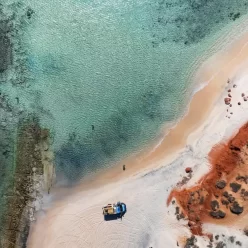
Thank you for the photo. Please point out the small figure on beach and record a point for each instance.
(124, 167)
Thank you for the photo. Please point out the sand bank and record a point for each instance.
(77, 220)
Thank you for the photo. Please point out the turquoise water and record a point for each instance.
(105, 76)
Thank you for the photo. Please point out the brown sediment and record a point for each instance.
(220, 196)
(28, 165)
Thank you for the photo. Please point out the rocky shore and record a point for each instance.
(221, 196)
(28, 183)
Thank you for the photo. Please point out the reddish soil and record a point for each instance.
(220, 196)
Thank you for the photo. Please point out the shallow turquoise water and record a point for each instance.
(122, 66)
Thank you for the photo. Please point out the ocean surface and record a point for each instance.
(104, 76)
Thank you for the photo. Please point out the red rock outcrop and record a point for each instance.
(188, 170)
(220, 196)
(227, 100)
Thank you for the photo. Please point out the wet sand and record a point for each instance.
(77, 219)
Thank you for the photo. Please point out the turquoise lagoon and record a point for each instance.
(105, 76)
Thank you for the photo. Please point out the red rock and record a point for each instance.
(191, 223)
(227, 100)
(239, 103)
(229, 95)
(229, 90)
(242, 94)
(188, 170)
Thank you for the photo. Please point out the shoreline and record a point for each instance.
(77, 220)
(27, 177)
(199, 108)
(80, 204)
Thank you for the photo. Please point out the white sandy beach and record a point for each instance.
(76, 221)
